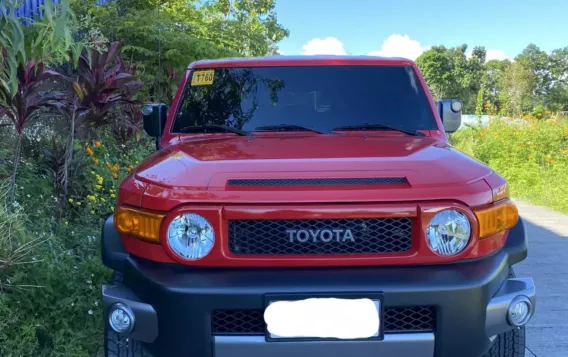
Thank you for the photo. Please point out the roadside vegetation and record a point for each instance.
(532, 155)
(71, 85)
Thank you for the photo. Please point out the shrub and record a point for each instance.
(56, 309)
(532, 155)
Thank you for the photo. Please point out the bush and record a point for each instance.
(53, 307)
(531, 154)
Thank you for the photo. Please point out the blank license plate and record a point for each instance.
(323, 318)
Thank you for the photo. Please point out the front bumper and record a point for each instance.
(174, 305)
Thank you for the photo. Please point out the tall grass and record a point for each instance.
(532, 155)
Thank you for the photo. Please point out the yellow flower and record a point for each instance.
(66, 223)
(103, 200)
(130, 167)
(98, 144)
(96, 161)
(92, 212)
(136, 162)
(90, 151)
(98, 187)
(112, 195)
(112, 208)
(92, 198)
(70, 200)
(115, 176)
(78, 203)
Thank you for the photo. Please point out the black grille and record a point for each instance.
(369, 235)
(396, 320)
(409, 319)
(318, 181)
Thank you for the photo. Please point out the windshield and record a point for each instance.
(315, 97)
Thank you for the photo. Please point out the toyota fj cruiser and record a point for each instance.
(312, 206)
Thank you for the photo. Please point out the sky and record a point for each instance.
(406, 28)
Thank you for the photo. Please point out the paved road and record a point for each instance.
(547, 264)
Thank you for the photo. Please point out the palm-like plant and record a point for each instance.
(103, 82)
(28, 104)
(24, 53)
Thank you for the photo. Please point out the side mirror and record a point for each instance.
(155, 115)
(450, 111)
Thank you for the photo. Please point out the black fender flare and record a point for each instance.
(113, 254)
(517, 245)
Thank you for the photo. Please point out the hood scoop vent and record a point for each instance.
(349, 181)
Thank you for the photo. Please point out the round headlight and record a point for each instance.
(449, 232)
(191, 236)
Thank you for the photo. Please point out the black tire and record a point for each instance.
(510, 343)
(117, 345)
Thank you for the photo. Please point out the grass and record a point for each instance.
(532, 155)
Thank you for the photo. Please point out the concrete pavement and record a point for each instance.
(547, 264)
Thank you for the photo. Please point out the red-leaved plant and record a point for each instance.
(30, 102)
(103, 82)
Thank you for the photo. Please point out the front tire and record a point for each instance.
(117, 345)
(510, 343)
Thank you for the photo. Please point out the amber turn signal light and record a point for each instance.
(495, 219)
(138, 223)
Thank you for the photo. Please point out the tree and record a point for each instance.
(537, 62)
(438, 73)
(518, 82)
(164, 35)
(557, 97)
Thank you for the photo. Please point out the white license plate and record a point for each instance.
(323, 318)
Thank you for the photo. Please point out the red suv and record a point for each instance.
(312, 206)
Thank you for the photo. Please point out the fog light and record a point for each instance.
(121, 318)
(519, 312)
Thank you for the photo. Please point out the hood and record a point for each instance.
(208, 164)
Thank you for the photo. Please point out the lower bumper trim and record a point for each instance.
(411, 344)
(496, 320)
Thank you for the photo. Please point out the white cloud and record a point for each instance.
(326, 46)
(400, 46)
(496, 54)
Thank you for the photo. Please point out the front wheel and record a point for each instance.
(509, 344)
(117, 345)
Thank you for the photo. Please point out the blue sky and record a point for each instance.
(407, 27)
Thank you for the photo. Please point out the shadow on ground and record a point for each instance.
(547, 264)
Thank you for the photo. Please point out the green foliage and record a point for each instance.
(532, 156)
(510, 88)
(451, 74)
(52, 307)
(173, 34)
(45, 39)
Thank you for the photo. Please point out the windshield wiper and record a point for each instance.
(378, 126)
(287, 127)
(212, 128)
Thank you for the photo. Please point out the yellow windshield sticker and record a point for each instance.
(202, 78)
